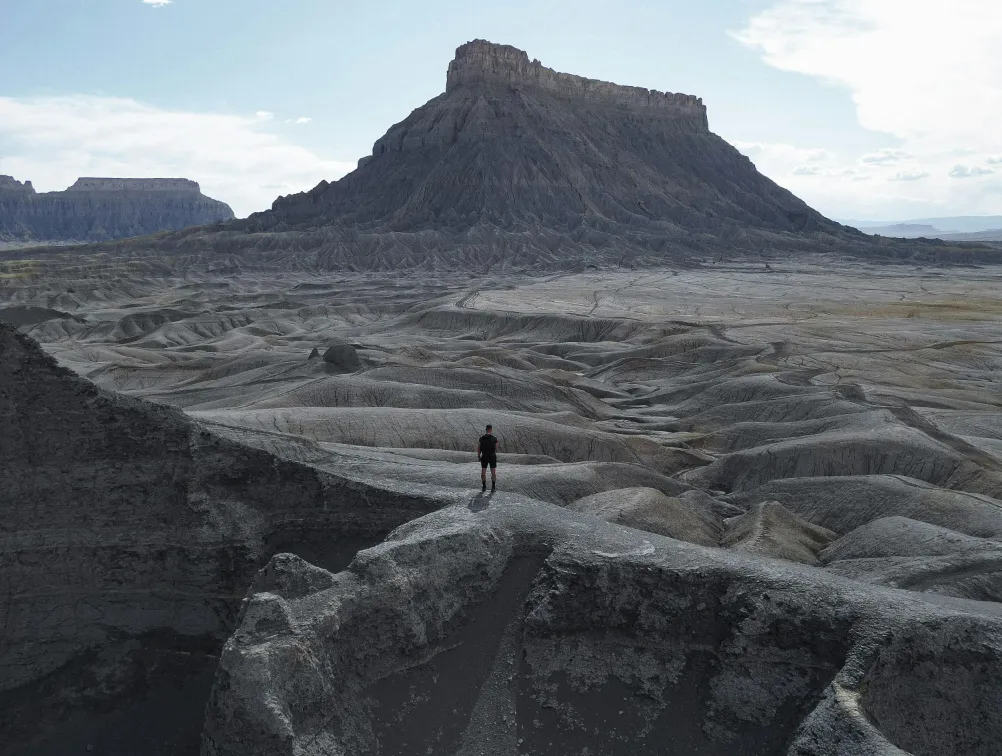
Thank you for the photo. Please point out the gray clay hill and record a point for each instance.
(102, 209)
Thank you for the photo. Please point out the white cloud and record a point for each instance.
(785, 154)
(843, 186)
(909, 176)
(300, 120)
(963, 171)
(927, 73)
(235, 158)
(884, 157)
(264, 115)
(157, 3)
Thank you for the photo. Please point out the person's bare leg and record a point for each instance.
(494, 478)
(483, 477)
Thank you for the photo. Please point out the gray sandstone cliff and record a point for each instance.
(101, 209)
(128, 537)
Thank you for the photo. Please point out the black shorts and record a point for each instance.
(489, 461)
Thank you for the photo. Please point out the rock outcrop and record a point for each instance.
(770, 529)
(527, 630)
(101, 209)
(481, 64)
(129, 532)
(342, 355)
(129, 536)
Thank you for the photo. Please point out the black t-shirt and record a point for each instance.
(488, 446)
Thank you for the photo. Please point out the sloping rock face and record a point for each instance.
(526, 630)
(505, 617)
(128, 537)
(101, 209)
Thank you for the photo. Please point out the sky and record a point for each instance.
(867, 109)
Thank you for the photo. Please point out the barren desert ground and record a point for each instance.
(799, 467)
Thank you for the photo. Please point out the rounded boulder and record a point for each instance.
(343, 355)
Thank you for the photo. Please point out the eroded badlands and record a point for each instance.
(743, 509)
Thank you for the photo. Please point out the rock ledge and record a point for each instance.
(481, 63)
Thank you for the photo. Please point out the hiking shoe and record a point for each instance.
(484, 488)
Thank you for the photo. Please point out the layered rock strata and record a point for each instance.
(101, 209)
(129, 535)
(483, 64)
(798, 423)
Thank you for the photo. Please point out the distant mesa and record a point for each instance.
(904, 229)
(179, 185)
(964, 228)
(10, 184)
(104, 209)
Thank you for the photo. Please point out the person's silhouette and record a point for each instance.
(487, 453)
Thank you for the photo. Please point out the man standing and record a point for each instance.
(487, 453)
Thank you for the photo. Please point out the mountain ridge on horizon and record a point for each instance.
(96, 209)
(521, 167)
(952, 223)
(970, 228)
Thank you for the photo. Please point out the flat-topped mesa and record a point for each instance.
(102, 209)
(11, 184)
(482, 63)
(515, 156)
(89, 184)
